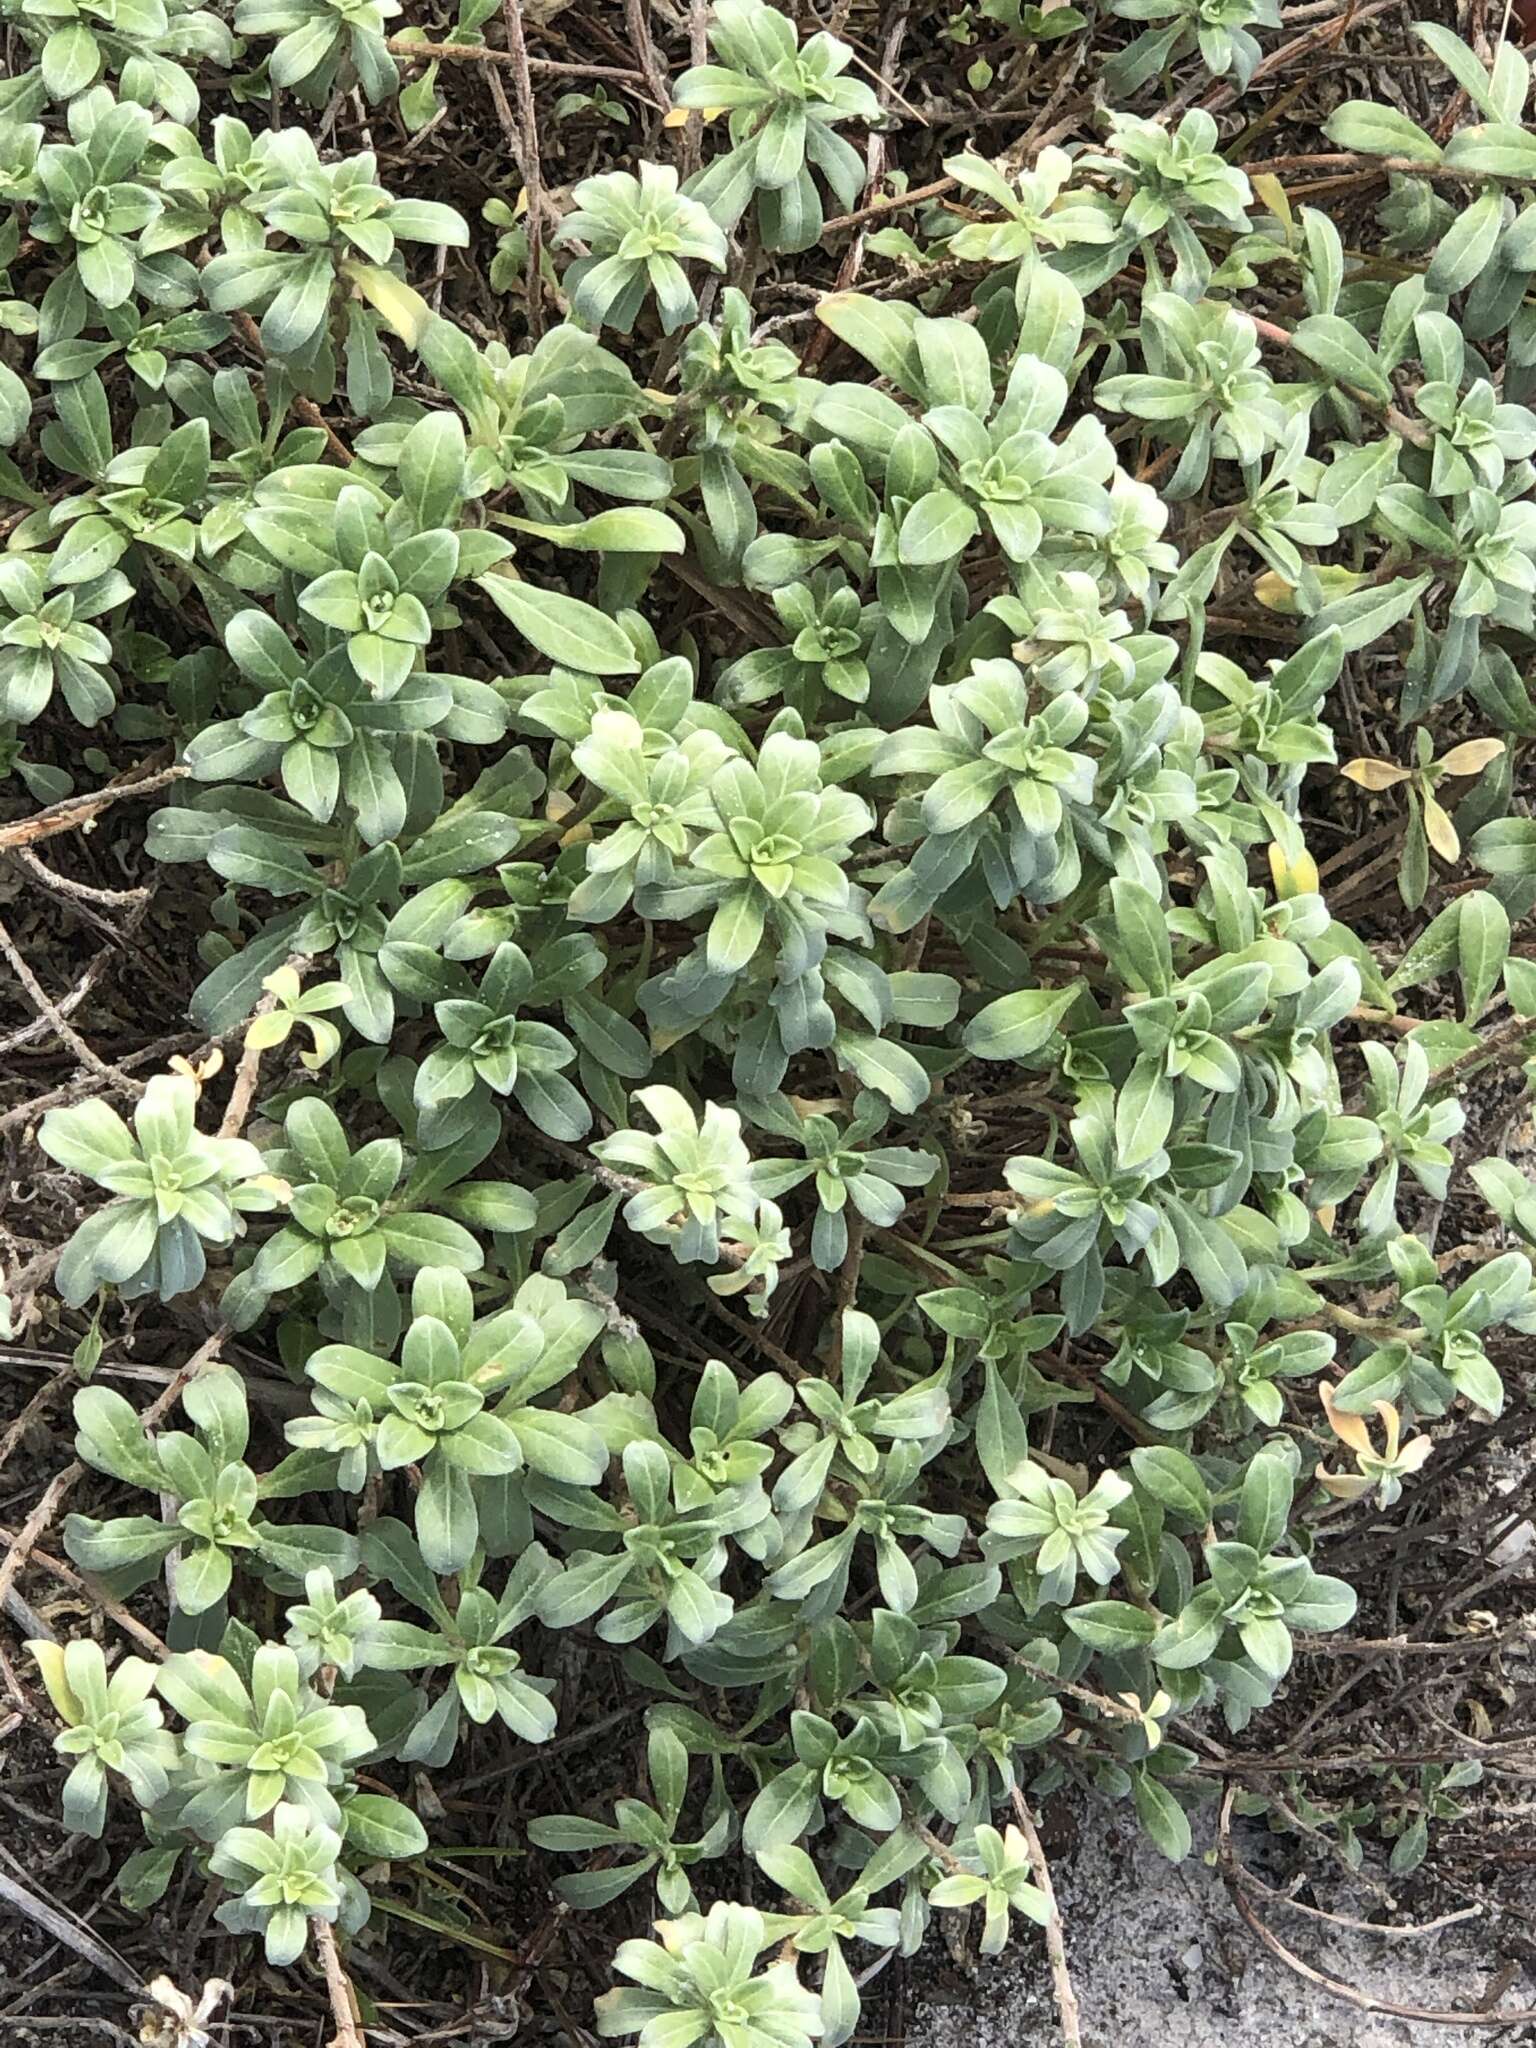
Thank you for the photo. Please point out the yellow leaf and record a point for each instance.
(403, 311)
(262, 1033)
(283, 983)
(203, 1071)
(1349, 1429)
(1293, 874)
(1342, 1485)
(1272, 192)
(1373, 774)
(675, 1935)
(1440, 832)
(1274, 592)
(677, 117)
(49, 1659)
(1277, 595)
(1470, 758)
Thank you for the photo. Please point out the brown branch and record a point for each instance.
(1400, 424)
(241, 1095)
(76, 812)
(1324, 36)
(748, 617)
(1355, 1926)
(36, 1407)
(54, 1494)
(66, 1006)
(636, 21)
(62, 1483)
(67, 1928)
(306, 408)
(482, 53)
(875, 207)
(1355, 160)
(82, 892)
(79, 1091)
(528, 161)
(1055, 1947)
(698, 53)
(48, 1009)
(348, 2033)
(66, 1575)
(1235, 1877)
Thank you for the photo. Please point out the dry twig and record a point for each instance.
(1237, 1880)
(76, 812)
(1055, 1946)
(338, 1985)
(62, 1483)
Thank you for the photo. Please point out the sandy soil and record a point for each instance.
(1161, 1960)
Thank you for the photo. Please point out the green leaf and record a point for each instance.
(1141, 928)
(1174, 1480)
(446, 1522)
(1467, 69)
(1520, 986)
(561, 628)
(1161, 1815)
(782, 1811)
(884, 333)
(1002, 1441)
(1113, 1626)
(110, 1436)
(624, 529)
(420, 1240)
(1143, 1112)
(1499, 150)
(431, 468)
(203, 1576)
(377, 1827)
(586, 1584)
(1192, 1635)
(936, 529)
(1466, 245)
(1264, 1503)
(71, 60)
(1364, 616)
(1378, 130)
(1343, 352)
(1482, 949)
(956, 368)
(1208, 1250)
(1506, 847)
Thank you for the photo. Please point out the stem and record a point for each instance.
(1399, 422)
(343, 2009)
(241, 1095)
(482, 53)
(1055, 1947)
(80, 812)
